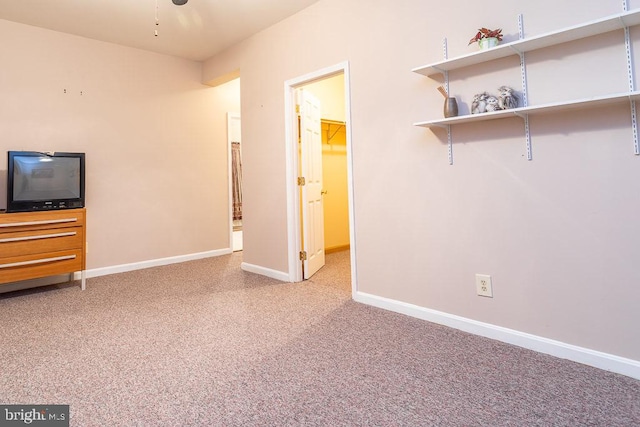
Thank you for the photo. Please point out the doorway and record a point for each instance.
(234, 139)
(294, 214)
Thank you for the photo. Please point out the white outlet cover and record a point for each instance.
(483, 285)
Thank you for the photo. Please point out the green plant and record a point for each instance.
(485, 33)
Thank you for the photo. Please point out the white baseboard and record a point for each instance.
(274, 274)
(122, 268)
(608, 362)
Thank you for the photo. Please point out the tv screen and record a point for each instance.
(44, 181)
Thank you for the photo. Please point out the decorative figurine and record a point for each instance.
(507, 98)
(479, 104)
(492, 104)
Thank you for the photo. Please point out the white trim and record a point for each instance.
(350, 183)
(606, 361)
(293, 197)
(264, 271)
(122, 268)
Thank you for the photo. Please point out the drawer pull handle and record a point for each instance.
(40, 236)
(50, 221)
(37, 261)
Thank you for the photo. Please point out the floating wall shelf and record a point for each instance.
(534, 110)
(621, 21)
(577, 32)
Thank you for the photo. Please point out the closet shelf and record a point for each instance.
(588, 29)
(331, 127)
(533, 110)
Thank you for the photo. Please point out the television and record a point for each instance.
(44, 181)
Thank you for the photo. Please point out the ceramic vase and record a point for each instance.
(450, 107)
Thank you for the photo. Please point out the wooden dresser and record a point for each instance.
(43, 243)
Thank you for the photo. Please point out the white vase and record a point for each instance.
(488, 43)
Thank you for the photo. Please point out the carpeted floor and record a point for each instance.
(204, 343)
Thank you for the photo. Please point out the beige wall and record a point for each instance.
(559, 234)
(154, 137)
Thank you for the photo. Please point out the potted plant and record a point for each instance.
(487, 38)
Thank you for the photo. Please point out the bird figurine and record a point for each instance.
(479, 104)
(507, 98)
(492, 103)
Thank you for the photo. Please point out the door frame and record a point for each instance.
(292, 159)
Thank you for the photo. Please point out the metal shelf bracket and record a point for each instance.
(445, 53)
(631, 74)
(450, 144)
(525, 100)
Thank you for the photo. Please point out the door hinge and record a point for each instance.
(303, 255)
(301, 180)
(298, 108)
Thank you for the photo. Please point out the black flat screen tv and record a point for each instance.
(44, 181)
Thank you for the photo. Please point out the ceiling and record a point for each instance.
(197, 30)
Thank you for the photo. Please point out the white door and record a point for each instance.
(311, 171)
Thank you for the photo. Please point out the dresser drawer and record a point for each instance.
(41, 244)
(41, 220)
(15, 268)
(39, 241)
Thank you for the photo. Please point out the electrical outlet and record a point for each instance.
(483, 285)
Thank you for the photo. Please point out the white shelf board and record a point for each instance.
(538, 109)
(591, 28)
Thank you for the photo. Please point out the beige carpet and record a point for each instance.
(204, 343)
